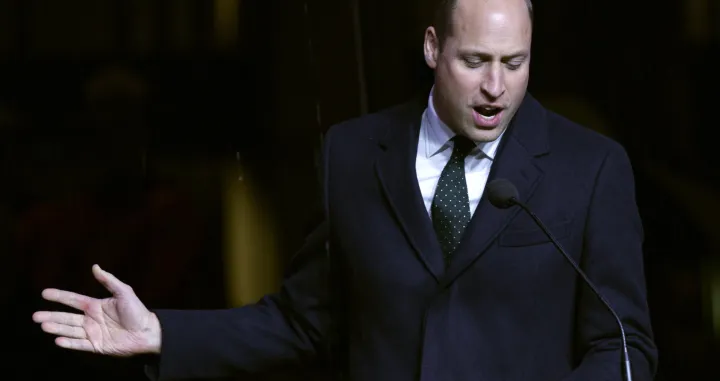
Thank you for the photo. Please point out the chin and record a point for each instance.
(485, 135)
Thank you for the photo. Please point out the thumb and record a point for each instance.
(109, 281)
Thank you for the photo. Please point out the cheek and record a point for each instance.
(517, 87)
(518, 80)
(463, 82)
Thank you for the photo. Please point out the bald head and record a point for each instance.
(445, 12)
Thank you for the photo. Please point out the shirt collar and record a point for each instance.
(438, 135)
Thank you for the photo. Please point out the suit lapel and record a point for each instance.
(525, 139)
(397, 175)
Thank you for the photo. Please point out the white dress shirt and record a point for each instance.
(434, 151)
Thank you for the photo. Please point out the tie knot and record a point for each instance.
(462, 145)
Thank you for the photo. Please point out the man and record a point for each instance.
(425, 279)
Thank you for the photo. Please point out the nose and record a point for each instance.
(493, 85)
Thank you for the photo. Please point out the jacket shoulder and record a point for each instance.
(376, 125)
(570, 137)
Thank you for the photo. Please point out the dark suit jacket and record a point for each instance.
(509, 307)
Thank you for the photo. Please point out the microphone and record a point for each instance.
(503, 194)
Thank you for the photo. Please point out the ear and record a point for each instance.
(431, 47)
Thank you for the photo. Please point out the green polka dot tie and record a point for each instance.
(451, 206)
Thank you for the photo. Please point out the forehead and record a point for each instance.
(496, 24)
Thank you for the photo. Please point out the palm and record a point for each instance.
(113, 326)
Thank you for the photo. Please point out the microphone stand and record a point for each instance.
(626, 357)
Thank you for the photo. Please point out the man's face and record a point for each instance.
(482, 69)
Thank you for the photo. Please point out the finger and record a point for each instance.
(73, 320)
(109, 281)
(64, 330)
(75, 344)
(70, 299)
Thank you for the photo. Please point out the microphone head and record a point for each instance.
(502, 193)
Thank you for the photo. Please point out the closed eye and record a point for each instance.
(512, 61)
(473, 63)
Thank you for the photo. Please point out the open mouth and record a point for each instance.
(487, 112)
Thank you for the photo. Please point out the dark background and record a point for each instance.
(122, 121)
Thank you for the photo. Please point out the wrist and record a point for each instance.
(152, 335)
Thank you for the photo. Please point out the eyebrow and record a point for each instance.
(519, 54)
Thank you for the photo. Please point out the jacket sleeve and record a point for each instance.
(281, 331)
(613, 260)
(284, 331)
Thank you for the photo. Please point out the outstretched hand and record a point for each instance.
(118, 326)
